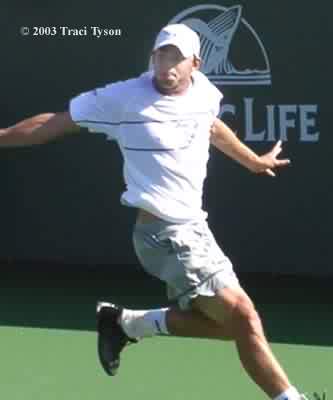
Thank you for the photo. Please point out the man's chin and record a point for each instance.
(166, 85)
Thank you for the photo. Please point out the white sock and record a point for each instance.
(144, 323)
(290, 394)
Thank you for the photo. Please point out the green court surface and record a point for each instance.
(48, 342)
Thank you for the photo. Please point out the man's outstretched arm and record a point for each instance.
(224, 139)
(39, 129)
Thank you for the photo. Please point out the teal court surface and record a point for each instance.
(48, 340)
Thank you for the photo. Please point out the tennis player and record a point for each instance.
(164, 122)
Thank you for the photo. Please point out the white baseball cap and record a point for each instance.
(181, 36)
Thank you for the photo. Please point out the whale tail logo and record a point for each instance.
(216, 36)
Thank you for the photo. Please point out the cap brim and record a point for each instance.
(172, 43)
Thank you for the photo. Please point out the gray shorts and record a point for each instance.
(185, 256)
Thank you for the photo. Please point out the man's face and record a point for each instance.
(172, 70)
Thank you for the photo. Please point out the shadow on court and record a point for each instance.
(294, 310)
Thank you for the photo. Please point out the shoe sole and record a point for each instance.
(109, 368)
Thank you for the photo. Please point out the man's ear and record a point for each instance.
(152, 57)
(151, 61)
(196, 63)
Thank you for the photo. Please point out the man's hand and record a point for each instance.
(269, 161)
(224, 139)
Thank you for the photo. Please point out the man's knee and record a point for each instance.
(219, 307)
(232, 309)
(245, 318)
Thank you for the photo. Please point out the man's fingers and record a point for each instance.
(278, 144)
(271, 161)
(269, 172)
(278, 163)
(282, 163)
(277, 149)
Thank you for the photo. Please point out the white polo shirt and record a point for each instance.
(164, 141)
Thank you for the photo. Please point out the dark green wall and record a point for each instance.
(60, 201)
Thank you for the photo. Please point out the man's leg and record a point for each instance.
(234, 311)
(230, 315)
(194, 324)
(183, 259)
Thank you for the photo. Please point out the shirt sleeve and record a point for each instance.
(209, 92)
(100, 110)
(217, 96)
